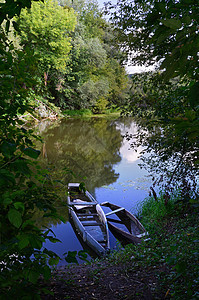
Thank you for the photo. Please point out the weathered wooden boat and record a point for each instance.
(124, 225)
(88, 218)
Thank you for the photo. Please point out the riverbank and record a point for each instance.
(87, 113)
(45, 110)
(164, 267)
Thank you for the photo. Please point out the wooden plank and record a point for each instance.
(115, 211)
(91, 224)
(92, 218)
(83, 203)
(88, 215)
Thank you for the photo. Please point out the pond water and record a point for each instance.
(94, 151)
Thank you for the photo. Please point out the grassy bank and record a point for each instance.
(164, 267)
(172, 249)
(87, 113)
(43, 109)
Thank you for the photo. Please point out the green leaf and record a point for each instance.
(33, 276)
(14, 217)
(47, 292)
(7, 198)
(46, 272)
(35, 242)
(82, 187)
(32, 152)
(83, 255)
(53, 261)
(53, 240)
(172, 23)
(187, 20)
(21, 166)
(49, 252)
(7, 149)
(62, 219)
(6, 177)
(7, 201)
(24, 242)
(71, 257)
(19, 206)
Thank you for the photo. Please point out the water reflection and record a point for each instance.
(126, 151)
(89, 149)
(95, 152)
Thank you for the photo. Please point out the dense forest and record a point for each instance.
(67, 56)
(76, 62)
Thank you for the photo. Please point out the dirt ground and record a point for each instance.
(103, 281)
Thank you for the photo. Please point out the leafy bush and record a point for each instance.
(24, 186)
(100, 105)
(172, 250)
(81, 112)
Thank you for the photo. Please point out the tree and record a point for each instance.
(46, 28)
(90, 15)
(23, 185)
(95, 60)
(10, 10)
(165, 33)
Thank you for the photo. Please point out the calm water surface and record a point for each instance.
(98, 154)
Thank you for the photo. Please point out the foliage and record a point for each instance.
(157, 31)
(89, 16)
(93, 64)
(90, 146)
(79, 112)
(171, 251)
(74, 256)
(74, 48)
(177, 243)
(24, 186)
(101, 105)
(45, 28)
(165, 33)
(171, 135)
(10, 10)
(91, 91)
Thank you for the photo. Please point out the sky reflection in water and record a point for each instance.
(110, 166)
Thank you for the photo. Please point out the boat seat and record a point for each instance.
(91, 223)
(115, 211)
(88, 215)
(83, 203)
(85, 217)
(90, 218)
(79, 204)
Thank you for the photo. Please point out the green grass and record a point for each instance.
(172, 251)
(88, 113)
(77, 113)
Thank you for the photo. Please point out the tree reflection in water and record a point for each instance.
(89, 149)
(93, 151)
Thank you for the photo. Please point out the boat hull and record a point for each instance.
(89, 219)
(126, 227)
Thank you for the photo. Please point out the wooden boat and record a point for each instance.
(88, 218)
(124, 225)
